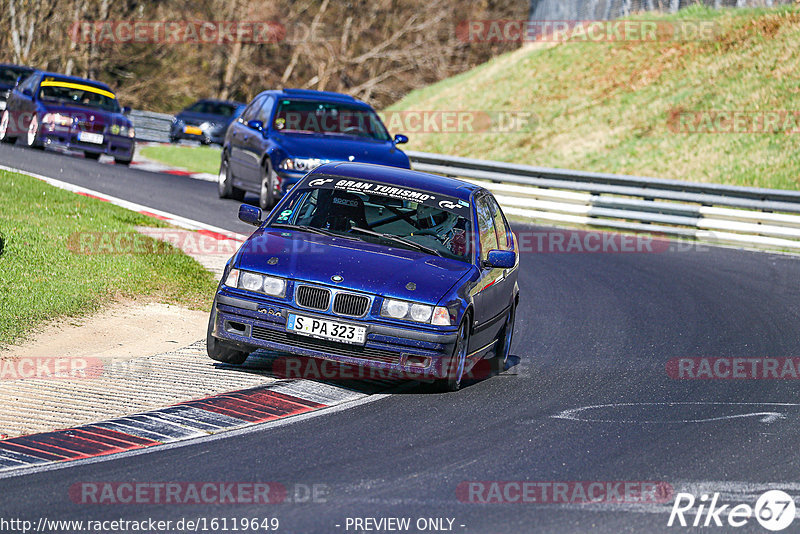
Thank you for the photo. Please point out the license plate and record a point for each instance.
(193, 130)
(325, 329)
(88, 137)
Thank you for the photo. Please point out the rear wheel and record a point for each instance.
(33, 139)
(455, 367)
(503, 345)
(5, 126)
(225, 187)
(266, 199)
(219, 350)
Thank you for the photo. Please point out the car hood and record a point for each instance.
(85, 113)
(368, 267)
(335, 148)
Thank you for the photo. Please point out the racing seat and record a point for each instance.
(340, 212)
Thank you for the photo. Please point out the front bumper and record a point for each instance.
(409, 352)
(113, 145)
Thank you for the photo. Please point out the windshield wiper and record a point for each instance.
(310, 229)
(398, 239)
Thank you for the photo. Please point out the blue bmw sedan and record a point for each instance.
(282, 135)
(373, 266)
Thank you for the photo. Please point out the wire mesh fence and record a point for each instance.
(613, 9)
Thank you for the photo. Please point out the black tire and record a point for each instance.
(219, 350)
(504, 338)
(225, 187)
(5, 124)
(266, 198)
(457, 363)
(124, 162)
(91, 155)
(33, 139)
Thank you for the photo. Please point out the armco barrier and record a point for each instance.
(727, 214)
(151, 127)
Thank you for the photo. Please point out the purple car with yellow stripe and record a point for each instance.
(373, 266)
(53, 110)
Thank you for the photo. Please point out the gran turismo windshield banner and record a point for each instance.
(443, 202)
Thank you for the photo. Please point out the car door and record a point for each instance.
(241, 167)
(254, 144)
(489, 297)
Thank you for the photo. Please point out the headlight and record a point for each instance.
(57, 119)
(302, 164)
(126, 131)
(414, 311)
(269, 285)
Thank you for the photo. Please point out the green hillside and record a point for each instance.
(613, 107)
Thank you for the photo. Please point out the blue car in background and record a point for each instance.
(205, 121)
(373, 266)
(282, 135)
(54, 110)
(9, 75)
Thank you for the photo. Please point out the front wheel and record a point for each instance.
(219, 350)
(91, 155)
(5, 124)
(455, 367)
(125, 162)
(33, 139)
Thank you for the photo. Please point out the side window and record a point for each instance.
(499, 224)
(486, 230)
(29, 84)
(265, 111)
(252, 110)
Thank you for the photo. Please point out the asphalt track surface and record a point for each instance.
(592, 329)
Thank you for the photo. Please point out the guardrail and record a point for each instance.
(150, 126)
(708, 212)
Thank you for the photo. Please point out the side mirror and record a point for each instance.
(400, 139)
(250, 214)
(27, 92)
(501, 259)
(126, 111)
(255, 125)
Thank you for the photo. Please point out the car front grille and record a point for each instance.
(350, 304)
(93, 127)
(322, 345)
(315, 298)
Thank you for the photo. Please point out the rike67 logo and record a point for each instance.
(774, 510)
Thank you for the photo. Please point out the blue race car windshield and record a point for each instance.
(376, 217)
(306, 116)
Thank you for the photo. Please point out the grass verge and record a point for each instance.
(611, 107)
(192, 158)
(42, 278)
